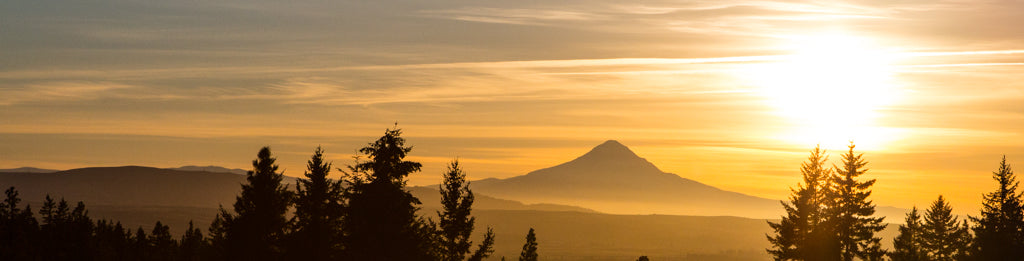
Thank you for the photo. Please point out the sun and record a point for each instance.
(830, 88)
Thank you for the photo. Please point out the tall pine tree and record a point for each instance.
(945, 237)
(18, 228)
(318, 213)
(456, 224)
(162, 247)
(851, 212)
(999, 230)
(529, 252)
(255, 231)
(795, 237)
(380, 221)
(909, 245)
(192, 245)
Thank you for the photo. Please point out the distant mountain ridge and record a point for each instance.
(211, 169)
(611, 178)
(137, 186)
(28, 170)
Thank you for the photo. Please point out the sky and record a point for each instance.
(729, 93)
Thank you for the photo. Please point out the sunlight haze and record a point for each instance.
(733, 94)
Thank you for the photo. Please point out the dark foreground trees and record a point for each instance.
(256, 228)
(851, 212)
(456, 224)
(798, 235)
(529, 252)
(909, 245)
(941, 236)
(367, 215)
(70, 234)
(999, 230)
(319, 208)
(829, 217)
(381, 222)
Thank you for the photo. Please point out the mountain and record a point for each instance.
(129, 186)
(28, 170)
(141, 195)
(612, 179)
(211, 169)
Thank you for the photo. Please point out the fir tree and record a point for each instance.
(851, 211)
(909, 245)
(795, 237)
(529, 252)
(456, 224)
(255, 231)
(140, 247)
(162, 246)
(318, 213)
(380, 221)
(192, 244)
(999, 230)
(18, 228)
(112, 241)
(945, 238)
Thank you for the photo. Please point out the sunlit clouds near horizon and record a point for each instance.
(730, 93)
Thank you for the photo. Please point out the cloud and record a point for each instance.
(511, 16)
(58, 92)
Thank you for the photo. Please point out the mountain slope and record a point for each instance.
(612, 179)
(136, 186)
(28, 170)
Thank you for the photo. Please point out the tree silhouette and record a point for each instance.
(529, 252)
(192, 246)
(999, 230)
(798, 235)
(909, 245)
(945, 238)
(318, 213)
(162, 246)
(380, 221)
(643, 258)
(456, 224)
(255, 231)
(851, 212)
(18, 228)
(140, 245)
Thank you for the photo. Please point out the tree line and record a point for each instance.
(829, 217)
(367, 214)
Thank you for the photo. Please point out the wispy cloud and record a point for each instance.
(511, 16)
(58, 91)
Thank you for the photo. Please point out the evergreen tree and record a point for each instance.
(945, 238)
(380, 221)
(67, 232)
(529, 252)
(456, 224)
(140, 247)
(255, 231)
(111, 241)
(18, 228)
(162, 246)
(794, 235)
(192, 244)
(318, 213)
(999, 230)
(643, 258)
(909, 245)
(851, 212)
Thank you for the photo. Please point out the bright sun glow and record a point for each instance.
(831, 87)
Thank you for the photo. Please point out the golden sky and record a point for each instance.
(729, 93)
